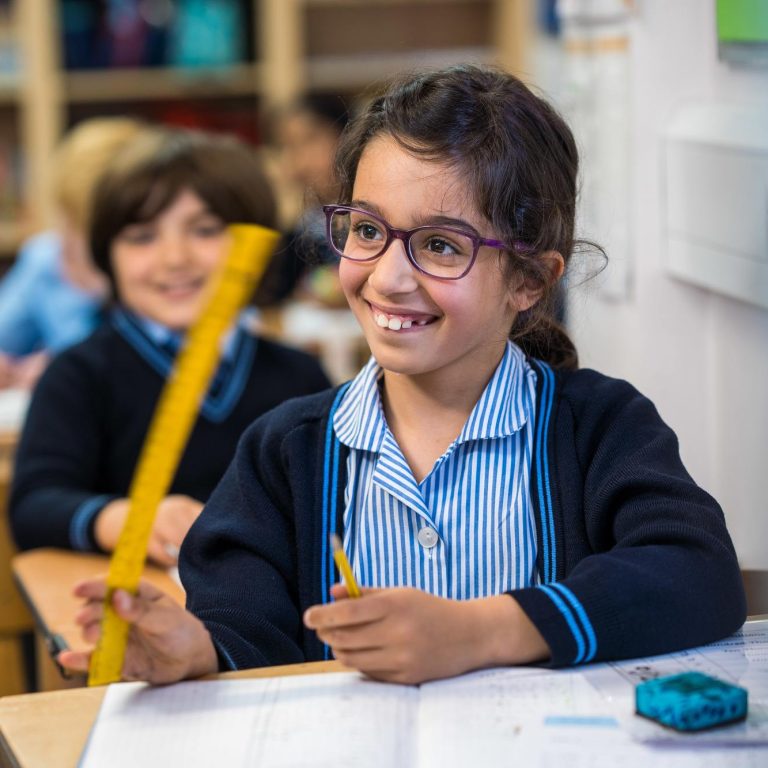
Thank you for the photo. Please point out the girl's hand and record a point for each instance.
(404, 635)
(174, 518)
(166, 643)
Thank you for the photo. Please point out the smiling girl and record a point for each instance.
(498, 505)
(159, 232)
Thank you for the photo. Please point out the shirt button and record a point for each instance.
(427, 537)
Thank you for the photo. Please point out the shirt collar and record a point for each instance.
(165, 338)
(501, 410)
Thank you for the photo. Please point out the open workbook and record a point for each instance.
(523, 716)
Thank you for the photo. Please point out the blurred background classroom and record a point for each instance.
(669, 101)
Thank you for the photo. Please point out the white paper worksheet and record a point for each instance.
(523, 716)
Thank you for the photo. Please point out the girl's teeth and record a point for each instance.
(395, 323)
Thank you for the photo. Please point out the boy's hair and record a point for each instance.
(80, 159)
(140, 184)
(520, 162)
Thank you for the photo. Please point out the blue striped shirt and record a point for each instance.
(467, 529)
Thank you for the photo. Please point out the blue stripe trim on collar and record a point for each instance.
(550, 376)
(157, 358)
(542, 474)
(219, 407)
(214, 408)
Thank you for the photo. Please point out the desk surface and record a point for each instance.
(40, 730)
(8, 440)
(46, 578)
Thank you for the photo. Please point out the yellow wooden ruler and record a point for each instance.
(171, 425)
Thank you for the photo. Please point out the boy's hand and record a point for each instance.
(405, 635)
(174, 518)
(166, 643)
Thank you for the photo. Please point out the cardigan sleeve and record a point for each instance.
(238, 561)
(56, 494)
(657, 572)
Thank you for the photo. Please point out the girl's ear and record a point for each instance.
(527, 292)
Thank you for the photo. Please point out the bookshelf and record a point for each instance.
(297, 44)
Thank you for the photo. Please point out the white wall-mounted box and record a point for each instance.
(716, 199)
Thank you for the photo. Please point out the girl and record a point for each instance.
(307, 133)
(158, 232)
(498, 505)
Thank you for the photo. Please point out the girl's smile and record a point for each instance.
(399, 319)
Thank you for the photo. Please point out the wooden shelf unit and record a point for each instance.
(322, 44)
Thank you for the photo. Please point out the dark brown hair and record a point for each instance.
(520, 162)
(162, 162)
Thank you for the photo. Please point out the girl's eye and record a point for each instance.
(437, 247)
(367, 231)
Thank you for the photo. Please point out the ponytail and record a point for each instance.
(545, 339)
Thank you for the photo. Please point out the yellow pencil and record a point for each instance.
(345, 569)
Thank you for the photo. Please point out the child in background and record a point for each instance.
(158, 232)
(498, 505)
(307, 134)
(53, 295)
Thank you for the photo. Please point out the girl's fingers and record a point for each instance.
(365, 637)
(90, 612)
(373, 662)
(91, 632)
(91, 589)
(340, 591)
(346, 612)
(77, 661)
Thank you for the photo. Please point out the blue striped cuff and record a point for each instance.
(226, 662)
(79, 525)
(576, 618)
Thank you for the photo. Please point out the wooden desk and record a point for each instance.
(46, 578)
(41, 730)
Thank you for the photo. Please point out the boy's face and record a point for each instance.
(163, 267)
(458, 327)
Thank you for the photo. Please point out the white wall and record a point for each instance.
(701, 357)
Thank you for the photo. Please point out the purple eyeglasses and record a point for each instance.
(447, 253)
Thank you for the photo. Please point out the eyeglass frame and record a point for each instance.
(405, 236)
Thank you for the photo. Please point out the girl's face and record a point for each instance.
(163, 267)
(308, 147)
(457, 327)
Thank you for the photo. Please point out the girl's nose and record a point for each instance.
(393, 272)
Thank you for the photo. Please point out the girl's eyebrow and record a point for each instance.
(436, 219)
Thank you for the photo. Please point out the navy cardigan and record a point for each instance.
(89, 417)
(633, 558)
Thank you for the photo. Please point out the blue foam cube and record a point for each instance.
(691, 701)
